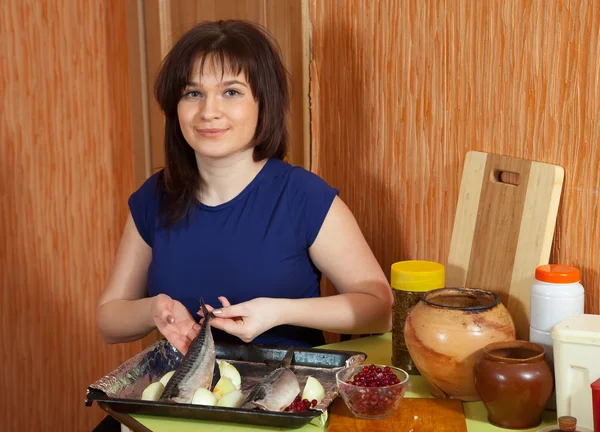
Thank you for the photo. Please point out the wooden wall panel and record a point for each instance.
(65, 174)
(402, 89)
(165, 21)
(184, 14)
(138, 82)
(288, 20)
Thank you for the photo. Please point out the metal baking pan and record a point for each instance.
(121, 389)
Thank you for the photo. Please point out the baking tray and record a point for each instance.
(121, 389)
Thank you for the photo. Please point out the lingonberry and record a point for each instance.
(301, 405)
(371, 392)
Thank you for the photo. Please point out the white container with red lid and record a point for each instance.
(556, 295)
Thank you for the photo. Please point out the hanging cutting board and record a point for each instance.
(416, 414)
(503, 228)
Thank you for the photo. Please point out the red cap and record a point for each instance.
(557, 273)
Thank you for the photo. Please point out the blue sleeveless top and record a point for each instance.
(255, 245)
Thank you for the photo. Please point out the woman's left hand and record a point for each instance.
(245, 320)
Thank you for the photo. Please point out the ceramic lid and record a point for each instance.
(581, 328)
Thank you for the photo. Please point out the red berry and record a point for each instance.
(313, 402)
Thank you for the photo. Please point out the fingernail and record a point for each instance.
(217, 311)
(170, 319)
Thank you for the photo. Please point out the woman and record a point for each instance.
(229, 221)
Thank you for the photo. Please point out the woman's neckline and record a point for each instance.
(243, 192)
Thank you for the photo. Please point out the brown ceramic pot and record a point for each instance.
(514, 383)
(445, 333)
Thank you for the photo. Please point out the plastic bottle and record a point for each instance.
(556, 294)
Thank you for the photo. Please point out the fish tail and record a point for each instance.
(204, 309)
(287, 359)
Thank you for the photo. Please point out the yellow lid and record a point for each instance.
(417, 276)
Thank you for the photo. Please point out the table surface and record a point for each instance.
(378, 350)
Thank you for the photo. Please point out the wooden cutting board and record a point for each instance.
(418, 415)
(503, 228)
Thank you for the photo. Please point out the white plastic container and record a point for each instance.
(576, 343)
(556, 295)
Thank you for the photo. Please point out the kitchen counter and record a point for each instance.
(378, 350)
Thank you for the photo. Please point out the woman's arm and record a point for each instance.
(340, 251)
(125, 313)
(124, 310)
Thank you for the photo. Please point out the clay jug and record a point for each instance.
(514, 383)
(445, 333)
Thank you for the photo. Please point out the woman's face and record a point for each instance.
(217, 112)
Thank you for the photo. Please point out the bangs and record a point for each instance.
(218, 62)
(216, 54)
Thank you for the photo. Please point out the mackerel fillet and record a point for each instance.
(197, 366)
(274, 393)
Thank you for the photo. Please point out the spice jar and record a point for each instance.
(409, 280)
(565, 424)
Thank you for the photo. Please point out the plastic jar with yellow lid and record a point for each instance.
(409, 280)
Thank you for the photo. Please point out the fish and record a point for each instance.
(197, 366)
(276, 391)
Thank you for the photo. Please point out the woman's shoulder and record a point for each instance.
(309, 198)
(298, 179)
(149, 189)
(143, 205)
(145, 200)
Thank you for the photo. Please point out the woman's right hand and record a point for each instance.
(174, 322)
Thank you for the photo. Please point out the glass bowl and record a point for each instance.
(366, 400)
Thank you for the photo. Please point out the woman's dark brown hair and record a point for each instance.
(238, 47)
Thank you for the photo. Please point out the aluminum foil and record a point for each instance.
(130, 379)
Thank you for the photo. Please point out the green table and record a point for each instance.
(378, 350)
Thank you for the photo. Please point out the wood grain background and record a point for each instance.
(65, 174)
(402, 89)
